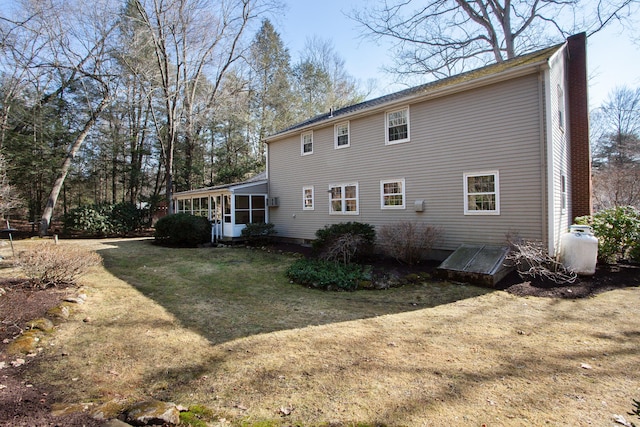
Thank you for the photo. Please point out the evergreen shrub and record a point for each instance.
(258, 233)
(104, 219)
(182, 229)
(618, 233)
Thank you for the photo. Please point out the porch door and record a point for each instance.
(216, 218)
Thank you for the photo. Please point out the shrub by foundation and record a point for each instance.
(407, 241)
(345, 242)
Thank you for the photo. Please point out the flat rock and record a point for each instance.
(153, 412)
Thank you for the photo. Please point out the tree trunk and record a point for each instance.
(57, 186)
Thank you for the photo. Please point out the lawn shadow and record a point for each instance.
(229, 293)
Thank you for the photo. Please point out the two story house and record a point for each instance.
(501, 149)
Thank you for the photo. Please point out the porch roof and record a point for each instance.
(258, 179)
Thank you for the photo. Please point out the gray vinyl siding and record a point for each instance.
(560, 152)
(494, 128)
(252, 189)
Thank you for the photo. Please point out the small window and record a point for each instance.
(306, 143)
(560, 107)
(342, 135)
(563, 193)
(343, 199)
(307, 198)
(392, 194)
(481, 193)
(397, 126)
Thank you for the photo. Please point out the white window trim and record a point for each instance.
(466, 193)
(561, 109)
(563, 193)
(304, 199)
(386, 127)
(302, 152)
(382, 194)
(335, 135)
(343, 212)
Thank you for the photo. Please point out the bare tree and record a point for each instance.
(194, 44)
(67, 57)
(445, 37)
(616, 148)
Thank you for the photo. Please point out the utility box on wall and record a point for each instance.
(419, 205)
(273, 201)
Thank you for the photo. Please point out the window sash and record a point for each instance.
(307, 198)
(342, 135)
(481, 193)
(307, 143)
(392, 194)
(343, 199)
(397, 126)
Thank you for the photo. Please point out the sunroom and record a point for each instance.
(229, 207)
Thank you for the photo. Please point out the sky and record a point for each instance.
(613, 59)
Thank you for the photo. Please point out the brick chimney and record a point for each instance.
(578, 105)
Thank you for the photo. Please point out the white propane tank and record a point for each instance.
(579, 250)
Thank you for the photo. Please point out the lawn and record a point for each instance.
(224, 328)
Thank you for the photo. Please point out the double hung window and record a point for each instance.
(341, 131)
(307, 198)
(481, 193)
(392, 194)
(306, 143)
(397, 126)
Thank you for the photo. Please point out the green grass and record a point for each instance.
(228, 293)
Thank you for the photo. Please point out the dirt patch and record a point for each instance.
(21, 402)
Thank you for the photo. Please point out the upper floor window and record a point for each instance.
(481, 193)
(563, 193)
(306, 143)
(342, 135)
(560, 107)
(397, 126)
(343, 199)
(307, 198)
(392, 194)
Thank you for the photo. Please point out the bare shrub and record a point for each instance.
(47, 264)
(533, 262)
(343, 248)
(408, 241)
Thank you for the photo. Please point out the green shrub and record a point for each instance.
(258, 233)
(90, 219)
(104, 219)
(345, 242)
(328, 275)
(48, 264)
(618, 233)
(125, 217)
(182, 229)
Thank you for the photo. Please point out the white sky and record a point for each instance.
(613, 60)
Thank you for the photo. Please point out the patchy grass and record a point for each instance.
(224, 329)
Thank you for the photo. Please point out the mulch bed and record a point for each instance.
(23, 403)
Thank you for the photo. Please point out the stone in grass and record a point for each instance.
(59, 312)
(25, 344)
(108, 410)
(42, 324)
(153, 412)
